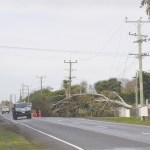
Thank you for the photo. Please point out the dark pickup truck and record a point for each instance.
(21, 109)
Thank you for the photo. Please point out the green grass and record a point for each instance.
(128, 120)
(11, 140)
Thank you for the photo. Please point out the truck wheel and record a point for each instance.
(29, 116)
(15, 117)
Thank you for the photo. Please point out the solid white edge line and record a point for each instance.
(59, 120)
(109, 122)
(76, 123)
(101, 127)
(47, 134)
(145, 133)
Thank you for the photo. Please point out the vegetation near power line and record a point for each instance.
(146, 85)
(83, 102)
(147, 3)
(57, 103)
(110, 85)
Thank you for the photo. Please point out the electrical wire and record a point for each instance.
(125, 61)
(123, 51)
(106, 42)
(117, 51)
(52, 50)
(38, 49)
(127, 69)
(127, 56)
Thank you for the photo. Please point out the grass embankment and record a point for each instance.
(128, 120)
(13, 141)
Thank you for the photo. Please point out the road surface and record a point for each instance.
(82, 134)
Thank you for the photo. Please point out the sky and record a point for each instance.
(36, 36)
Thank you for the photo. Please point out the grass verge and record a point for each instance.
(13, 141)
(128, 120)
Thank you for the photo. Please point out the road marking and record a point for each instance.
(76, 123)
(59, 120)
(79, 148)
(109, 122)
(101, 127)
(145, 133)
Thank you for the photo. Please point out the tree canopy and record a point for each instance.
(110, 85)
(146, 85)
(81, 102)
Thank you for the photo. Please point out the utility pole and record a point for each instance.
(28, 91)
(70, 75)
(136, 93)
(20, 95)
(10, 102)
(140, 55)
(41, 83)
(14, 97)
(23, 91)
(136, 90)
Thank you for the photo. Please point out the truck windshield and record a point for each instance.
(22, 105)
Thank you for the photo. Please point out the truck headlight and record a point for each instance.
(17, 109)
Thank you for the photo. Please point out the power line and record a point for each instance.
(106, 42)
(126, 59)
(38, 49)
(122, 51)
(127, 69)
(116, 52)
(55, 50)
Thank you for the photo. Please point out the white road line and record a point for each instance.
(145, 133)
(79, 148)
(109, 122)
(101, 127)
(76, 123)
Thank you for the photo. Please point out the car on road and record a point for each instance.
(5, 109)
(21, 109)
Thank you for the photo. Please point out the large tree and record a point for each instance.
(110, 85)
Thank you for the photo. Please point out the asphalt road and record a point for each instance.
(83, 134)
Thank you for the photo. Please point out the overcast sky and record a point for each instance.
(93, 32)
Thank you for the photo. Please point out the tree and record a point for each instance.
(5, 103)
(90, 88)
(147, 3)
(65, 86)
(128, 97)
(110, 85)
(49, 88)
(127, 85)
(76, 89)
(146, 85)
(84, 84)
